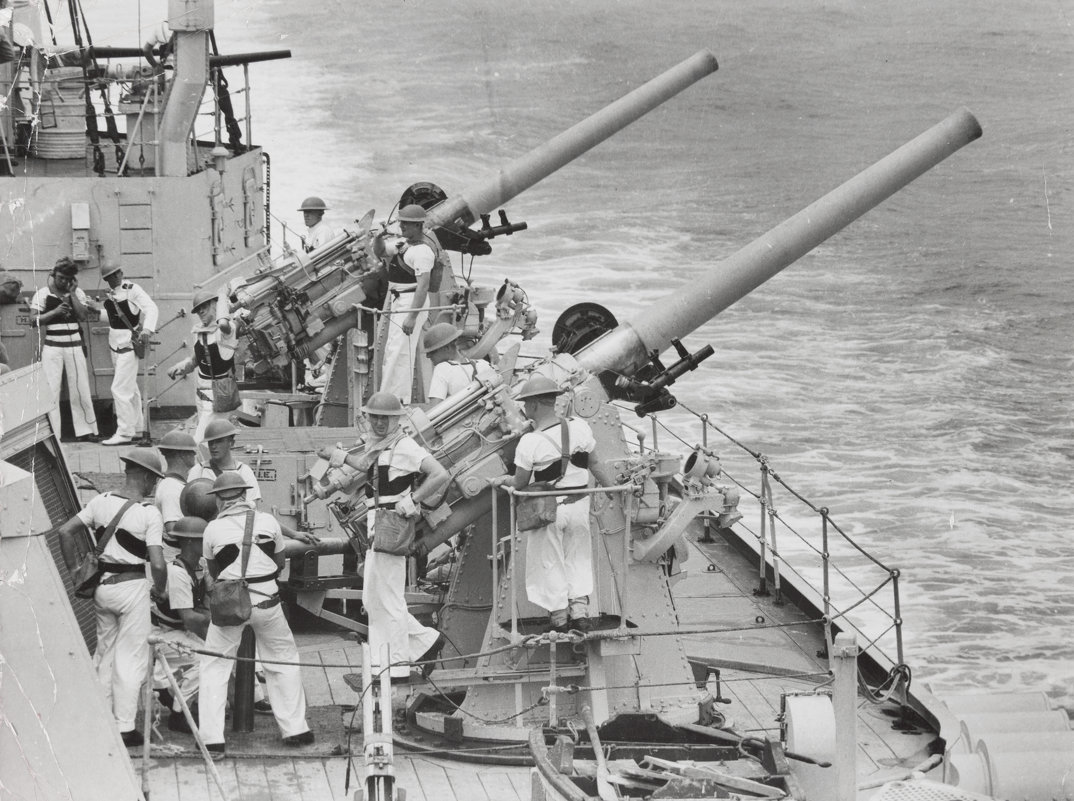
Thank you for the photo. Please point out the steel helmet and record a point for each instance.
(146, 458)
(536, 386)
(176, 440)
(218, 429)
(201, 297)
(385, 404)
(228, 481)
(412, 213)
(438, 336)
(110, 267)
(195, 499)
(189, 527)
(313, 203)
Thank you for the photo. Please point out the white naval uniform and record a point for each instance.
(123, 624)
(253, 495)
(384, 580)
(166, 499)
(559, 556)
(274, 638)
(130, 418)
(61, 353)
(317, 236)
(449, 377)
(400, 350)
(175, 640)
(203, 393)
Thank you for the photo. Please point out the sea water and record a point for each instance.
(912, 374)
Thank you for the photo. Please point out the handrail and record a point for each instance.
(770, 556)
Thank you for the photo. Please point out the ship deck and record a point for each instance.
(757, 665)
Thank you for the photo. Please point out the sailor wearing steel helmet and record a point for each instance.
(559, 556)
(409, 273)
(215, 342)
(451, 371)
(180, 453)
(222, 547)
(219, 438)
(181, 619)
(132, 320)
(318, 232)
(122, 599)
(394, 465)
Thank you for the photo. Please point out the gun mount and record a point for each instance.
(474, 432)
(305, 301)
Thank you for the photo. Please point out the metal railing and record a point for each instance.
(842, 589)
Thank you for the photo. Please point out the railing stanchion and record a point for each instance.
(704, 430)
(772, 533)
(826, 558)
(762, 583)
(898, 616)
(495, 557)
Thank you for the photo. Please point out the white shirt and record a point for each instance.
(539, 449)
(318, 236)
(228, 529)
(167, 498)
(420, 259)
(59, 332)
(180, 587)
(404, 457)
(129, 291)
(253, 495)
(141, 521)
(449, 377)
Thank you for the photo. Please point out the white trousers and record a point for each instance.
(184, 666)
(283, 683)
(205, 407)
(559, 558)
(390, 624)
(130, 421)
(122, 655)
(58, 361)
(400, 350)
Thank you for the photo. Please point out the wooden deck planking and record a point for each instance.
(163, 784)
(340, 693)
(466, 782)
(250, 774)
(232, 787)
(434, 781)
(283, 782)
(312, 781)
(498, 786)
(336, 771)
(522, 781)
(192, 780)
(406, 777)
(315, 680)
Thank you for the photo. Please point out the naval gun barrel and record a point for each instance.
(563, 148)
(628, 346)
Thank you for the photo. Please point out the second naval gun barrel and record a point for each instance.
(563, 148)
(629, 346)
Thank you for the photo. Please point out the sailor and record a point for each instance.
(181, 618)
(215, 342)
(318, 232)
(58, 309)
(179, 451)
(451, 371)
(222, 549)
(122, 598)
(219, 438)
(559, 556)
(394, 465)
(132, 320)
(409, 273)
